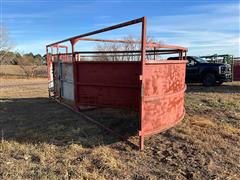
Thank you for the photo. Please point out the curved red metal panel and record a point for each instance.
(163, 95)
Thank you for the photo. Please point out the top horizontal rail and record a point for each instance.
(109, 40)
(157, 45)
(135, 21)
(59, 46)
(148, 44)
(120, 52)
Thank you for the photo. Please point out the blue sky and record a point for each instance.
(204, 26)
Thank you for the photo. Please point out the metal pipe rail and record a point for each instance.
(119, 52)
(135, 21)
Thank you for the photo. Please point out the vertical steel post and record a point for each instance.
(181, 55)
(48, 71)
(74, 64)
(143, 59)
(154, 57)
(66, 57)
(59, 76)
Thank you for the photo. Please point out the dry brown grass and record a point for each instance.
(16, 70)
(43, 140)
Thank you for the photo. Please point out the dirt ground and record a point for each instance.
(43, 140)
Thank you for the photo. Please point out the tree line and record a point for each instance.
(15, 58)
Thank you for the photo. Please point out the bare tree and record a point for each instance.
(126, 56)
(5, 46)
(28, 64)
(108, 47)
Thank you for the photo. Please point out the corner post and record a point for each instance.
(74, 64)
(48, 71)
(59, 75)
(143, 59)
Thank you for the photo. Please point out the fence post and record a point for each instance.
(143, 57)
(74, 64)
(48, 71)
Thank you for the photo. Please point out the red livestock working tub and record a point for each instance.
(138, 80)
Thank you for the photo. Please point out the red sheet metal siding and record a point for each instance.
(163, 96)
(49, 63)
(114, 84)
(236, 70)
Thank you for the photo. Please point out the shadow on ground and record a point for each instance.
(225, 88)
(35, 120)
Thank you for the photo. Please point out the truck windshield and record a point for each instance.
(198, 59)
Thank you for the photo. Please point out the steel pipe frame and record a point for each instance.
(144, 44)
(148, 44)
(119, 52)
(143, 54)
(123, 55)
(49, 62)
(135, 21)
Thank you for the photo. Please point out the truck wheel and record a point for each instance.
(219, 83)
(209, 79)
